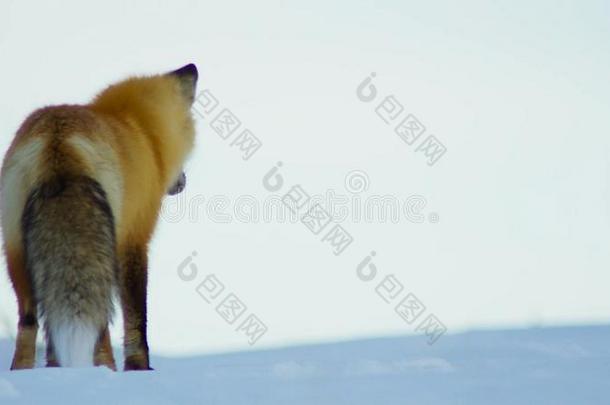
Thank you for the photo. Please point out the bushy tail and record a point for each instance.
(68, 231)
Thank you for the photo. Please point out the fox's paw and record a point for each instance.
(52, 363)
(22, 363)
(136, 363)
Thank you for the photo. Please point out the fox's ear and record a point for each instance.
(187, 76)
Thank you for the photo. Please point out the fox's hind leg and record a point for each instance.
(51, 357)
(27, 328)
(133, 279)
(103, 351)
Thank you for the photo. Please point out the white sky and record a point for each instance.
(516, 91)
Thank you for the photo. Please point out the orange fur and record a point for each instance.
(152, 133)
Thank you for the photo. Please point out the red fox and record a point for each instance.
(81, 191)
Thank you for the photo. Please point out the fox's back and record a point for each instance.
(66, 140)
(73, 140)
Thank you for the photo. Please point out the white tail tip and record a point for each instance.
(74, 343)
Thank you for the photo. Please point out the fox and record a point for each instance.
(81, 188)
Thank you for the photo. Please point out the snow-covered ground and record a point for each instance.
(509, 227)
(567, 365)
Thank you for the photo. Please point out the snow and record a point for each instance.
(521, 197)
(567, 365)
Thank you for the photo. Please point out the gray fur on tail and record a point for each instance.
(69, 239)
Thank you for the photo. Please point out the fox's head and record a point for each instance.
(187, 78)
(160, 107)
